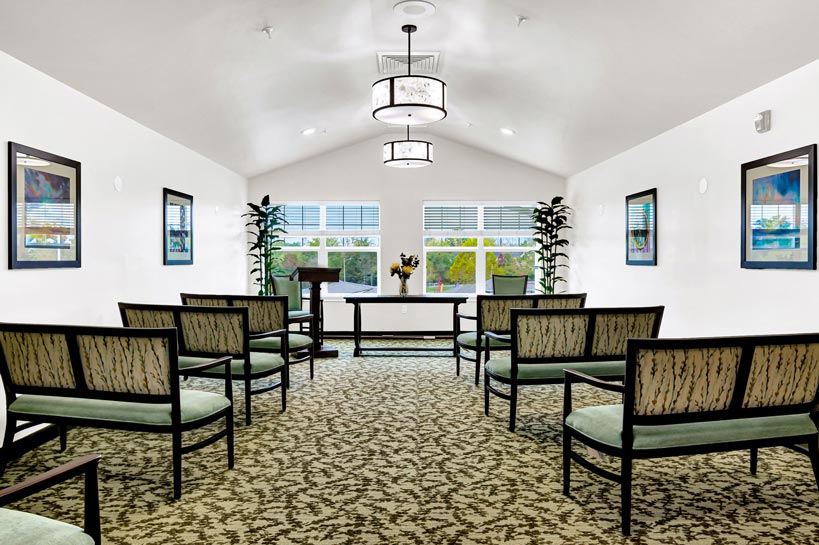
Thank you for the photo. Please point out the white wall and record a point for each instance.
(121, 232)
(357, 173)
(698, 276)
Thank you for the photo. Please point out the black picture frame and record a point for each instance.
(55, 185)
(174, 254)
(641, 228)
(779, 257)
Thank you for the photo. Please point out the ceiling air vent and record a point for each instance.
(396, 63)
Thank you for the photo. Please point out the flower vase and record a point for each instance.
(403, 291)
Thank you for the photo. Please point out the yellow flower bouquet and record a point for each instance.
(404, 270)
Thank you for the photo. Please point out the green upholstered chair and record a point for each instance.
(493, 315)
(509, 285)
(268, 322)
(284, 285)
(20, 528)
(547, 341)
(697, 396)
(112, 378)
(214, 330)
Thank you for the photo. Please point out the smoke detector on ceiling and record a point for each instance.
(414, 9)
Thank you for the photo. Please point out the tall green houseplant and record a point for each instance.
(549, 221)
(265, 223)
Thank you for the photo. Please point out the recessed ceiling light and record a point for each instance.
(506, 131)
(414, 9)
(308, 131)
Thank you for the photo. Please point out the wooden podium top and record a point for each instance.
(317, 274)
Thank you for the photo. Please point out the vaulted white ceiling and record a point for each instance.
(580, 81)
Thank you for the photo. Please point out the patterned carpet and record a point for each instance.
(396, 450)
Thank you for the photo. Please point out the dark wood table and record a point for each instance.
(315, 276)
(358, 300)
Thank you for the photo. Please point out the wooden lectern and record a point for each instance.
(317, 275)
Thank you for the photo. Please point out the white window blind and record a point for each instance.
(347, 217)
(450, 218)
(507, 218)
(302, 217)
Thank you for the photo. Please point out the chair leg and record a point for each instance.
(63, 437)
(513, 405)
(486, 393)
(312, 359)
(177, 464)
(813, 452)
(754, 459)
(477, 367)
(457, 360)
(229, 425)
(8, 440)
(247, 401)
(283, 389)
(567, 460)
(625, 494)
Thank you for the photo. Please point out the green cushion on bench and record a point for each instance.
(19, 528)
(470, 339)
(502, 367)
(259, 363)
(274, 343)
(195, 405)
(605, 423)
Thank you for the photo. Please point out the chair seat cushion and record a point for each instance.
(470, 340)
(605, 424)
(260, 362)
(293, 314)
(19, 528)
(195, 405)
(502, 367)
(297, 342)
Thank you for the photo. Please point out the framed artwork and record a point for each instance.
(641, 228)
(778, 219)
(44, 209)
(177, 219)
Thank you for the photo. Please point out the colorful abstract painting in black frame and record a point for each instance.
(641, 228)
(177, 235)
(44, 209)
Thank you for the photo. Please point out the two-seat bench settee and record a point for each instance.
(106, 377)
(692, 396)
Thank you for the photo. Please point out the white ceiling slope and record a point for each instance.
(581, 81)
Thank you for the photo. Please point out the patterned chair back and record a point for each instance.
(267, 313)
(579, 334)
(683, 378)
(97, 362)
(204, 331)
(494, 310)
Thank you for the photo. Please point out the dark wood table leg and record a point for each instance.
(357, 329)
(454, 328)
(319, 350)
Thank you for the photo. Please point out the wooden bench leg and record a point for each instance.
(283, 389)
(477, 366)
(754, 459)
(247, 401)
(229, 425)
(177, 464)
(625, 493)
(8, 441)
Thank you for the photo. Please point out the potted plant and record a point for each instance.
(549, 221)
(265, 225)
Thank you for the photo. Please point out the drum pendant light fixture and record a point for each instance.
(409, 100)
(408, 153)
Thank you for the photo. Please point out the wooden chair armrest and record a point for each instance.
(466, 316)
(498, 337)
(207, 365)
(86, 465)
(276, 333)
(300, 319)
(576, 376)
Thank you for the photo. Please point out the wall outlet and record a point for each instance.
(403, 309)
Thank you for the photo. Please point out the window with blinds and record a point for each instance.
(507, 218)
(347, 217)
(302, 217)
(450, 218)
